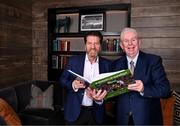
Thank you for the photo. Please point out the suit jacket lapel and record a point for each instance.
(140, 67)
(101, 66)
(80, 71)
(124, 63)
(81, 65)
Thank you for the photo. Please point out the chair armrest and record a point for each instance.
(167, 106)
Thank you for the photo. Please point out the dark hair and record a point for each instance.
(93, 33)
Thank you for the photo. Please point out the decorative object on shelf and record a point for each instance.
(95, 22)
(60, 23)
(111, 45)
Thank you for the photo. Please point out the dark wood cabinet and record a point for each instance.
(67, 26)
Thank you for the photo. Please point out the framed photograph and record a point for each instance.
(92, 22)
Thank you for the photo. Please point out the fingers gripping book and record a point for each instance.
(115, 83)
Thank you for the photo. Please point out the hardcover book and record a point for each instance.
(115, 83)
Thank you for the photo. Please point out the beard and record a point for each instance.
(93, 53)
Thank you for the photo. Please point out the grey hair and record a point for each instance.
(127, 29)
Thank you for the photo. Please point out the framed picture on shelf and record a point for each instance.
(92, 22)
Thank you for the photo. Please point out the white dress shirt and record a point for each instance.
(134, 60)
(90, 71)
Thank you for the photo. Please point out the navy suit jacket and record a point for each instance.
(73, 102)
(146, 109)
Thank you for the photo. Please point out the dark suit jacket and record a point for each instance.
(146, 109)
(72, 106)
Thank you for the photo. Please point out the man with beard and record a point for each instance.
(141, 105)
(84, 106)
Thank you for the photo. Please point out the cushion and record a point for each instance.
(9, 95)
(177, 108)
(8, 114)
(41, 99)
(167, 106)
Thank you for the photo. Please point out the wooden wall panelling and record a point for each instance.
(16, 42)
(157, 22)
(146, 3)
(97, 2)
(152, 11)
(156, 32)
(160, 21)
(19, 4)
(171, 65)
(171, 54)
(170, 43)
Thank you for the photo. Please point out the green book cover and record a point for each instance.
(115, 84)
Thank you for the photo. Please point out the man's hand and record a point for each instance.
(96, 95)
(137, 86)
(78, 84)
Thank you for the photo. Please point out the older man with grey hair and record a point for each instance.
(141, 105)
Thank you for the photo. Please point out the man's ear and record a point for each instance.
(139, 41)
(100, 48)
(121, 45)
(85, 47)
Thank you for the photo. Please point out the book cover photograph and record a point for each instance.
(115, 83)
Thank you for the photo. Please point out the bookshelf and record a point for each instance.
(67, 26)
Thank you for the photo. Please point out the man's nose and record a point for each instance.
(93, 46)
(130, 43)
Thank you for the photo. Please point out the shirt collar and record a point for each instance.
(134, 60)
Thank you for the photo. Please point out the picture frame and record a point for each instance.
(92, 22)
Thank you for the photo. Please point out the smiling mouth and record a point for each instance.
(131, 48)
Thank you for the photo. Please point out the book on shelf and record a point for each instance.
(60, 45)
(55, 61)
(55, 45)
(63, 61)
(115, 83)
(59, 62)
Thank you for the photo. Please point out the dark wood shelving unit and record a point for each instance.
(109, 11)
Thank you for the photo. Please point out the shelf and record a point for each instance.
(110, 33)
(111, 53)
(83, 33)
(68, 53)
(69, 34)
(83, 52)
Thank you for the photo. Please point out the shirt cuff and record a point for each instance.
(99, 102)
(142, 93)
(74, 88)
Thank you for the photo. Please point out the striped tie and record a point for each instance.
(132, 67)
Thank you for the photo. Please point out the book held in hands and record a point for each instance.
(115, 83)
